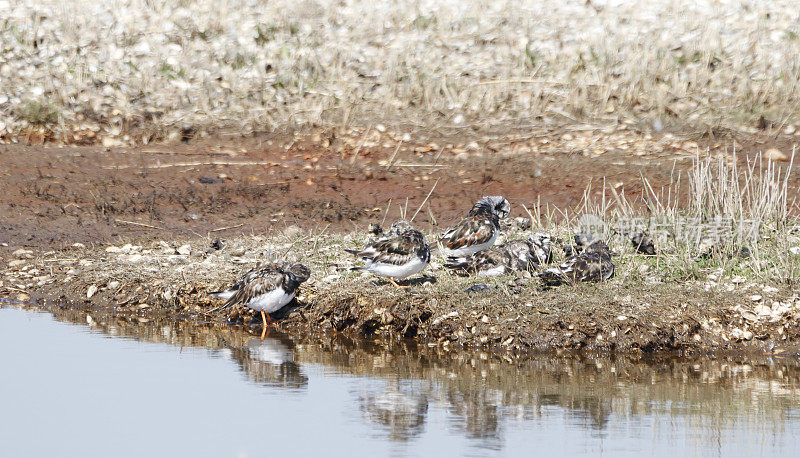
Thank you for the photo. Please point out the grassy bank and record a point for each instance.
(722, 278)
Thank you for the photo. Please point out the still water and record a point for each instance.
(81, 385)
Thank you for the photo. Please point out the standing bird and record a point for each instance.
(266, 288)
(592, 264)
(516, 255)
(478, 230)
(398, 254)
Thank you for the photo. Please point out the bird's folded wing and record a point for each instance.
(395, 250)
(469, 232)
(258, 283)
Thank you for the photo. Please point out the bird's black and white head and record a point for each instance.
(497, 205)
(541, 246)
(541, 240)
(642, 243)
(375, 229)
(598, 246)
(584, 239)
(400, 226)
(298, 272)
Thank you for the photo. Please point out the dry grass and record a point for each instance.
(716, 219)
(154, 66)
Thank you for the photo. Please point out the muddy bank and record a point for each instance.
(56, 196)
(359, 356)
(130, 230)
(514, 315)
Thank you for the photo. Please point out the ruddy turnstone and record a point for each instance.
(398, 254)
(478, 230)
(516, 255)
(375, 229)
(592, 264)
(714, 247)
(541, 247)
(266, 288)
(643, 244)
(582, 240)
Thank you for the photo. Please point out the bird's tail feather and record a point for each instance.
(222, 294)
(457, 262)
(552, 277)
(228, 295)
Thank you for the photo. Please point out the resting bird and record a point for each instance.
(398, 254)
(643, 244)
(516, 255)
(592, 264)
(266, 288)
(478, 230)
(582, 240)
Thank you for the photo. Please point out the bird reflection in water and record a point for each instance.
(270, 362)
(594, 412)
(476, 413)
(399, 408)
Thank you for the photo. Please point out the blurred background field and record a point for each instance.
(134, 71)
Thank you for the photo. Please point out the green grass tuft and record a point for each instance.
(39, 112)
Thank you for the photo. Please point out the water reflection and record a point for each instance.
(399, 409)
(270, 362)
(475, 412)
(719, 405)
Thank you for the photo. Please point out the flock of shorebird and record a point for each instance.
(402, 251)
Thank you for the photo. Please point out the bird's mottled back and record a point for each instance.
(478, 230)
(593, 264)
(402, 251)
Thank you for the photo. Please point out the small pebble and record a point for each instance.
(477, 288)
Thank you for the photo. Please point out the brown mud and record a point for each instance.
(54, 196)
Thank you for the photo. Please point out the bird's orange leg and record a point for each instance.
(265, 324)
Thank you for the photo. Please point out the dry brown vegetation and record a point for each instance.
(137, 71)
